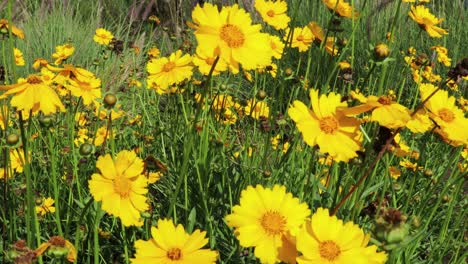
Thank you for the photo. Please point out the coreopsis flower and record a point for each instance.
(167, 71)
(341, 8)
(62, 52)
(319, 37)
(326, 239)
(103, 36)
(58, 246)
(231, 31)
(442, 55)
(33, 94)
(409, 165)
(45, 206)
(5, 27)
(277, 46)
(301, 38)
(17, 159)
(267, 219)
(205, 62)
(19, 59)
(385, 111)
(154, 52)
(102, 134)
(394, 172)
(171, 244)
(86, 86)
(427, 21)
(121, 186)
(420, 122)
(326, 126)
(451, 121)
(256, 109)
(273, 13)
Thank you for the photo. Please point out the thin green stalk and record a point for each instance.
(54, 177)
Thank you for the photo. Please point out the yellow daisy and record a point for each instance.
(256, 109)
(171, 244)
(19, 59)
(46, 206)
(341, 8)
(167, 71)
(265, 219)
(231, 31)
(103, 37)
(427, 21)
(121, 186)
(326, 239)
(85, 85)
(302, 38)
(442, 55)
(14, 30)
(273, 13)
(325, 126)
(319, 37)
(62, 52)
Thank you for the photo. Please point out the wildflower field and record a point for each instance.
(224, 131)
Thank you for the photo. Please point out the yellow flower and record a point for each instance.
(451, 122)
(420, 122)
(395, 173)
(103, 36)
(409, 165)
(4, 27)
(85, 85)
(19, 59)
(4, 174)
(153, 52)
(62, 52)
(265, 218)
(171, 244)
(171, 70)
(302, 38)
(427, 21)
(101, 135)
(326, 239)
(121, 186)
(34, 94)
(205, 62)
(153, 177)
(46, 206)
(442, 55)
(341, 8)
(277, 46)
(273, 13)
(319, 36)
(231, 31)
(256, 109)
(325, 126)
(385, 111)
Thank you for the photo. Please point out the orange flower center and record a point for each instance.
(169, 66)
(174, 254)
(446, 115)
(209, 61)
(34, 79)
(271, 13)
(385, 100)
(232, 35)
(328, 124)
(300, 38)
(122, 186)
(329, 250)
(273, 223)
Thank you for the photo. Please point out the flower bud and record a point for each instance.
(86, 149)
(110, 100)
(381, 51)
(12, 139)
(261, 95)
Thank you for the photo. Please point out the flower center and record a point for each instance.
(328, 124)
(300, 38)
(169, 66)
(174, 254)
(329, 250)
(273, 223)
(33, 79)
(446, 115)
(271, 13)
(122, 186)
(385, 100)
(209, 61)
(232, 35)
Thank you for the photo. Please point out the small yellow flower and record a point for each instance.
(46, 206)
(442, 55)
(341, 8)
(103, 36)
(427, 21)
(154, 52)
(395, 173)
(62, 52)
(167, 71)
(273, 13)
(257, 109)
(58, 245)
(19, 59)
(302, 38)
(277, 46)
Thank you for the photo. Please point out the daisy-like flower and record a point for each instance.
(85, 85)
(277, 46)
(326, 239)
(451, 121)
(121, 186)
(302, 38)
(273, 13)
(172, 244)
(267, 219)
(327, 126)
(385, 111)
(103, 37)
(4, 28)
(62, 52)
(256, 109)
(427, 21)
(420, 122)
(319, 37)
(46, 206)
(341, 8)
(154, 52)
(33, 93)
(19, 59)
(205, 62)
(442, 55)
(231, 31)
(17, 159)
(167, 71)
